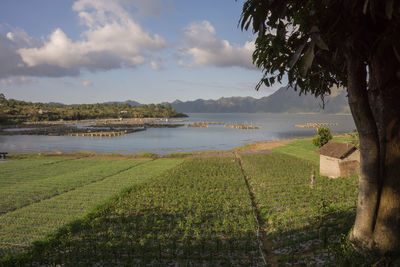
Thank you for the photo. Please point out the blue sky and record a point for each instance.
(88, 51)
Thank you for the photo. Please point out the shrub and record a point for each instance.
(322, 137)
(355, 140)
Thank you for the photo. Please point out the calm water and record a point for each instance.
(164, 140)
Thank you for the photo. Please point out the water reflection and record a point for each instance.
(183, 139)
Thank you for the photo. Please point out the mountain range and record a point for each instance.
(284, 100)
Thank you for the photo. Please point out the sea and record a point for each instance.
(274, 126)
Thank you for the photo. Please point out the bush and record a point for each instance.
(355, 140)
(322, 137)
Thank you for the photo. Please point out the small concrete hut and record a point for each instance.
(338, 159)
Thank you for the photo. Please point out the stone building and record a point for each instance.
(338, 160)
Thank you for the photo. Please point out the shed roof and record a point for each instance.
(336, 150)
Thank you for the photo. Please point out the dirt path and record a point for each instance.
(268, 145)
(270, 258)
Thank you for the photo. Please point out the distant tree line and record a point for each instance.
(16, 111)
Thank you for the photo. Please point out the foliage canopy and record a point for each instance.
(307, 40)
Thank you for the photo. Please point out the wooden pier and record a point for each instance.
(198, 124)
(204, 124)
(243, 127)
(98, 134)
(316, 124)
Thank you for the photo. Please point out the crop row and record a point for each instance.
(300, 220)
(198, 213)
(45, 185)
(41, 170)
(19, 228)
(17, 165)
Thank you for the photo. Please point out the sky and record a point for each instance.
(150, 51)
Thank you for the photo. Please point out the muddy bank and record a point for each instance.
(59, 130)
(145, 125)
(70, 129)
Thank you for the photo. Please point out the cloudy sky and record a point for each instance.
(88, 51)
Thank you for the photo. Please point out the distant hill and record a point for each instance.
(56, 104)
(284, 100)
(130, 102)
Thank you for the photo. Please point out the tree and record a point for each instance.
(323, 136)
(2, 98)
(356, 44)
(3, 102)
(169, 110)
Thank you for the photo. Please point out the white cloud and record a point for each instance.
(204, 48)
(157, 64)
(113, 39)
(18, 81)
(87, 83)
(154, 65)
(11, 63)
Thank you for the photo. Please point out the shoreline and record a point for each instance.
(256, 147)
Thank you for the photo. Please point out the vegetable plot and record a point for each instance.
(25, 187)
(300, 221)
(19, 228)
(21, 164)
(198, 213)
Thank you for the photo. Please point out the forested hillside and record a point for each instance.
(15, 111)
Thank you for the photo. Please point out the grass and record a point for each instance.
(21, 188)
(344, 138)
(16, 165)
(48, 155)
(302, 222)
(19, 228)
(197, 213)
(302, 148)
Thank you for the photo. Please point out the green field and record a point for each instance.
(21, 188)
(305, 149)
(69, 194)
(181, 212)
(196, 213)
(17, 165)
(301, 221)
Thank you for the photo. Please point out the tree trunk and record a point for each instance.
(385, 85)
(376, 113)
(369, 152)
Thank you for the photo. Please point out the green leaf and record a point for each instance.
(365, 7)
(296, 56)
(280, 33)
(396, 53)
(307, 60)
(316, 37)
(259, 84)
(245, 20)
(261, 28)
(372, 9)
(389, 9)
